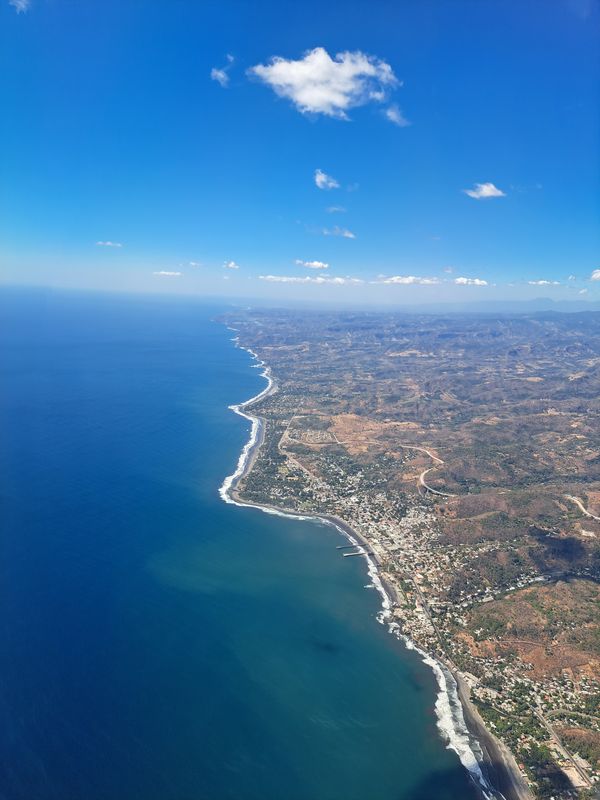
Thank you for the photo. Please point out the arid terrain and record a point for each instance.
(466, 451)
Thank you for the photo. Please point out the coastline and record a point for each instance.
(491, 765)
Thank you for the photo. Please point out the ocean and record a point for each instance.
(157, 643)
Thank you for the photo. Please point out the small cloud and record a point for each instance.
(572, 278)
(221, 74)
(194, 264)
(231, 265)
(396, 116)
(449, 270)
(470, 282)
(336, 210)
(325, 181)
(337, 231)
(544, 283)
(320, 279)
(481, 191)
(20, 5)
(595, 276)
(319, 84)
(582, 291)
(109, 244)
(407, 280)
(164, 273)
(312, 264)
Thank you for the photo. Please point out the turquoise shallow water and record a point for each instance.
(155, 642)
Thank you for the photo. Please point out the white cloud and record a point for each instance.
(582, 291)
(194, 264)
(337, 231)
(325, 181)
(164, 273)
(20, 5)
(408, 280)
(336, 210)
(396, 116)
(544, 283)
(470, 282)
(595, 276)
(109, 244)
(312, 264)
(319, 279)
(221, 74)
(231, 265)
(572, 278)
(481, 191)
(318, 84)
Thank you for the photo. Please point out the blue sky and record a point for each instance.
(166, 127)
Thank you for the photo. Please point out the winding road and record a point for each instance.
(581, 507)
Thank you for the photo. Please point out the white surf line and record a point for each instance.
(581, 507)
(448, 708)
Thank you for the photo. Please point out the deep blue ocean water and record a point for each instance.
(156, 643)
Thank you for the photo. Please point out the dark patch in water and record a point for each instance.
(325, 646)
(442, 785)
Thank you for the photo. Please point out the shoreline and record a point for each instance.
(492, 768)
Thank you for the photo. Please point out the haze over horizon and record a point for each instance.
(421, 154)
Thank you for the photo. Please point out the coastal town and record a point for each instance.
(462, 455)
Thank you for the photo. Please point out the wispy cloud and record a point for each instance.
(165, 273)
(482, 191)
(312, 264)
(544, 282)
(325, 181)
(408, 280)
(396, 116)
(595, 276)
(221, 74)
(20, 5)
(337, 231)
(582, 291)
(319, 279)
(336, 210)
(109, 244)
(231, 265)
(470, 282)
(319, 84)
(194, 264)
